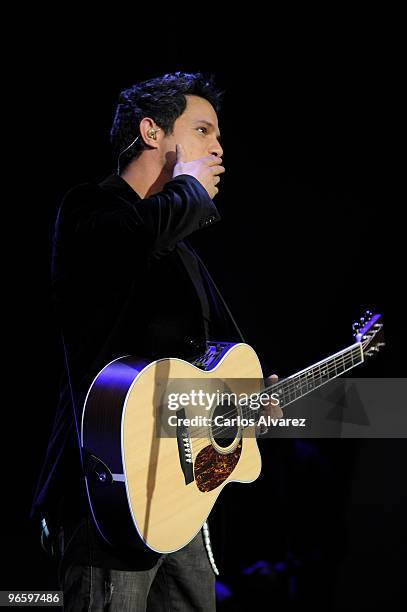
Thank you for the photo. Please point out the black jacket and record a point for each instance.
(125, 281)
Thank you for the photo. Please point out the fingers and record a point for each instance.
(217, 169)
(205, 169)
(212, 160)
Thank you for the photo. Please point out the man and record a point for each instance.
(126, 281)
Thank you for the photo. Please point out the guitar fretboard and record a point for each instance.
(296, 386)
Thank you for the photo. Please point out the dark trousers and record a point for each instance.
(182, 581)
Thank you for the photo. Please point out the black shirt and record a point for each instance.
(125, 281)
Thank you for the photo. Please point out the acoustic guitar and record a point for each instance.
(155, 470)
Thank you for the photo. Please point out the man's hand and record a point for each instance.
(272, 409)
(205, 169)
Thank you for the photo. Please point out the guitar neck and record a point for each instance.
(296, 386)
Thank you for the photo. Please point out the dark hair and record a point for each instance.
(162, 99)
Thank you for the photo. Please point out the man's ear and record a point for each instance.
(148, 132)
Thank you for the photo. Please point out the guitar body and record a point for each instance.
(154, 492)
(151, 487)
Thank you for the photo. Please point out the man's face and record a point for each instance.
(196, 130)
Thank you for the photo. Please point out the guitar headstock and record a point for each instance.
(369, 332)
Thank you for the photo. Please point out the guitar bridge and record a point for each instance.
(184, 448)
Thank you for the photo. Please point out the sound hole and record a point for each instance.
(225, 423)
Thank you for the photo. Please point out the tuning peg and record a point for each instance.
(356, 329)
(368, 315)
(362, 321)
(372, 351)
(356, 326)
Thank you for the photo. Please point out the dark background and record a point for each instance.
(312, 234)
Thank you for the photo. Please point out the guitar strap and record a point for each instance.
(211, 283)
(81, 457)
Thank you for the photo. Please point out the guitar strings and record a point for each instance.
(293, 384)
(292, 387)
